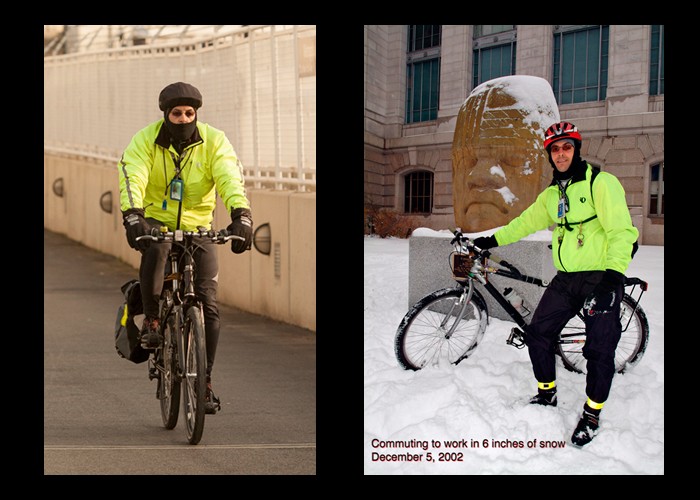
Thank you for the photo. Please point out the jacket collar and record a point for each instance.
(578, 173)
(163, 137)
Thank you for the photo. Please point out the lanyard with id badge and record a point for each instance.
(177, 186)
(563, 205)
(562, 210)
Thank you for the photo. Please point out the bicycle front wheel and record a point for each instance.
(441, 327)
(169, 381)
(630, 349)
(194, 387)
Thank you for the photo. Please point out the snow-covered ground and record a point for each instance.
(473, 418)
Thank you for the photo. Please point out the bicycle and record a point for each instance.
(448, 324)
(182, 356)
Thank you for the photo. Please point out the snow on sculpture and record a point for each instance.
(499, 165)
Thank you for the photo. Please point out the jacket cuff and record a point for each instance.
(138, 211)
(238, 212)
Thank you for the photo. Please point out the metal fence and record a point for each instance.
(258, 85)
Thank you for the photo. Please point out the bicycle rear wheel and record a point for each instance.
(169, 381)
(630, 349)
(441, 327)
(194, 387)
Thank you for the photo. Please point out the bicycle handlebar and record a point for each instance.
(459, 237)
(219, 237)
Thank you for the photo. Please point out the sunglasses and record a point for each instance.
(177, 113)
(565, 147)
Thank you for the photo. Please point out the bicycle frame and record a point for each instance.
(479, 272)
(181, 361)
(182, 295)
(449, 323)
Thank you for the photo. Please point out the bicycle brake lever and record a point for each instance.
(220, 236)
(511, 267)
(502, 262)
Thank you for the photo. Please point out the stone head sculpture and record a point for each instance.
(499, 164)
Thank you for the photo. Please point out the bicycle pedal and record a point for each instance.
(516, 338)
(151, 341)
(213, 405)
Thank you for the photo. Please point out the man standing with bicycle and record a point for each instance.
(593, 244)
(169, 175)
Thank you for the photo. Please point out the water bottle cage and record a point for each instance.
(516, 301)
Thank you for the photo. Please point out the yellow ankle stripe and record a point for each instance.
(546, 385)
(594, 405)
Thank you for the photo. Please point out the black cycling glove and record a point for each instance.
(602, 299)
(486, 242)
(136, 226)
(241, 225)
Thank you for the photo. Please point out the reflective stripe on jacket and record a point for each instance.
(607, 237)
(208, 165)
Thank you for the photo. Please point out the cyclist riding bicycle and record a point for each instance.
(592, 247)
(169, 175)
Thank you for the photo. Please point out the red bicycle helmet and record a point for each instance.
(561, 130)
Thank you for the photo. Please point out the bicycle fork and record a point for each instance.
(462, 304)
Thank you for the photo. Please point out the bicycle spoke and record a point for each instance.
(441, 331)
(169, 383)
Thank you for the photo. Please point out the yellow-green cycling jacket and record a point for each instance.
(208, 165)
(605, 230)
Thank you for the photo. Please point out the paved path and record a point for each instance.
(101, 415)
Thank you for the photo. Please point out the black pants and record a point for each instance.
(560, 302)
(152, 272)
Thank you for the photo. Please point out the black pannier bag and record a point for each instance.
(126, 333)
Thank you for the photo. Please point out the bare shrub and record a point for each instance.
(386, 222)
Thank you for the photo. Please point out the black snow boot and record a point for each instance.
(587, 427)
(545, 397)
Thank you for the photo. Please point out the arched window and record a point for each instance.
(418, 192)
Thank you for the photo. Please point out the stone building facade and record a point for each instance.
(623, 130)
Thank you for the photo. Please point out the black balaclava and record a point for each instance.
(578, 164)
(180, 132)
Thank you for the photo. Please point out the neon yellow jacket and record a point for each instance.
(607, 238)
(209, 165)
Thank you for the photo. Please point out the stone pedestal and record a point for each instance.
(429, 269)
